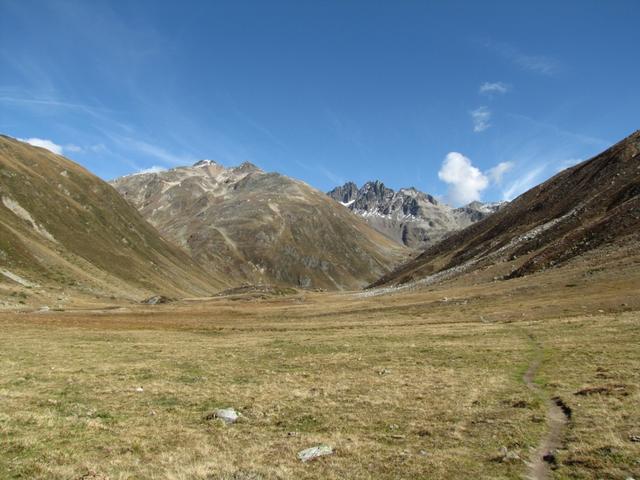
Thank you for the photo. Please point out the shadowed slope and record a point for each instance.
(580, 209)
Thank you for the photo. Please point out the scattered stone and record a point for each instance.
(156, 300)
(139, 389)
(507, 456)
(314, 452)
(227, 415)
(511, 457)
(424, 453)
(393, 426)
(384, 371)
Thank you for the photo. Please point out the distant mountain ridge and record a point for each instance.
(408, 216)
(260, 227)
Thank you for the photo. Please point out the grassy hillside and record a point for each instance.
(62, 228)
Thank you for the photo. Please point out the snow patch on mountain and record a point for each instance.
(408, 216)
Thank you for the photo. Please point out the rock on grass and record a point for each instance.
(314, 452)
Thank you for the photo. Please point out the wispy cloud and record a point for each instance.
(491, 88)
(551, 128)
(564, 164)
(480, 118)
(540, 64)
(154, 151)
(497, 173)
(48, 102)
(527, 180)
(319, 168)
(44, 143)
(347, 130)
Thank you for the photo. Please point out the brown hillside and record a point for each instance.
(63, 228)
(582, 208)
(261, 227)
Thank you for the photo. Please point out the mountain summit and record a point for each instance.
(261, 227)
(408, 216)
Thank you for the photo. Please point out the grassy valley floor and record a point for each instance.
(423, 384)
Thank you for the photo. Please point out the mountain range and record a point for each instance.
(251, 226)
(197, 230)
(409, 216)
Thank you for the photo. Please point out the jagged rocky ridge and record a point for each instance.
(260, 227)
(408, 216)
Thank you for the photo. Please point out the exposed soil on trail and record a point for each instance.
(558, 416)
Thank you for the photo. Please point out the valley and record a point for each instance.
(506, 350)
(430, 382)
(331, 240)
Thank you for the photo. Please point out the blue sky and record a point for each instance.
(463, 100)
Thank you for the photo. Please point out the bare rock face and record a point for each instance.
(408, 216)
(257, 227)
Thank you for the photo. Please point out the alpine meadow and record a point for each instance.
(319, 240)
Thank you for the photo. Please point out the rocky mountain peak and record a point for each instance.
(409, 216)
(205, 163)
(247, 167)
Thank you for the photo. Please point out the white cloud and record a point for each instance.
(466, 182)
(489, 88)
(480, 117)
(496, 173)
(153, 169)
(44, 143)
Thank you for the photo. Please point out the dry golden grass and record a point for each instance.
(425, 384)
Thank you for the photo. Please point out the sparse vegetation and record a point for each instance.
(401, 386)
